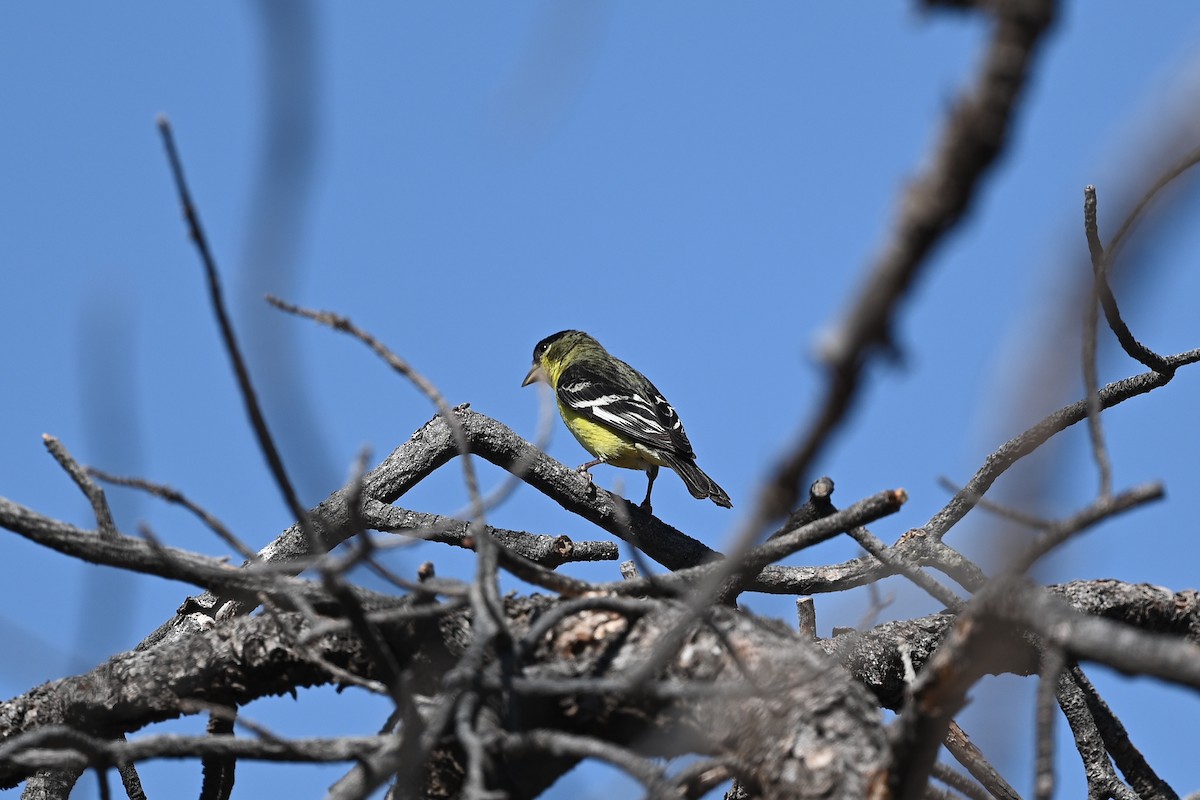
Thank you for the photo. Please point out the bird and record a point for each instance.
(617, 414)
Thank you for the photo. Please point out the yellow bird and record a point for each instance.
(617, 414)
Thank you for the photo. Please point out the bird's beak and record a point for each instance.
(535, 374)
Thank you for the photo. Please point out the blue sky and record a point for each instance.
(698, 185)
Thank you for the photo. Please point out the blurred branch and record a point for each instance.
(1169, 175)
(973, 136)
(1048, 679)
(959, 782)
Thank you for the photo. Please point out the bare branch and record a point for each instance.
(967, 754)
(1091, 379)
(547, 551)
(167, 562)
(719, 717)
(960, 782)
(1124, 647)
(95, 495)
(245, 387)
(61, 747)
(1028, 520)
(402, 367)
(1101, 779)
(972, 138)
(1108, 301)
(178, 498)
(1143, 780)
(1027, 442)
(1103, 508)
(218, 769)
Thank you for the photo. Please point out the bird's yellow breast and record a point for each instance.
(603, 443)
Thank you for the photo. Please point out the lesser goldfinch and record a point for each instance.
(617, 414)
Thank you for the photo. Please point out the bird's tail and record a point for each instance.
(698, 483)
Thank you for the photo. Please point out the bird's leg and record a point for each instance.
(651, 474)
(582, 469)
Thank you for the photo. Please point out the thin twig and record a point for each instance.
(1021, 445)
(1187, 162)
(486, 585)
(1101, 509)
(559, 743)
(966, 753)
(1091, 380)
(94, 494)
(903, 566)
(959, 782)
(51, 747)
(403, 368)
(1108, 301)
(249, 397)
(178, 498)
(999, 509)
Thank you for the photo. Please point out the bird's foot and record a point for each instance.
(591, 481)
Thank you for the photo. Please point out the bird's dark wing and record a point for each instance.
(627, 404)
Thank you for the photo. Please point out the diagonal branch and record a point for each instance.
(1021, 445)
(973, 137)
(1133, 765)
(95, 495)
(249, 397)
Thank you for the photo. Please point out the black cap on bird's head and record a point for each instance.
(541, 347)
(562, 342)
